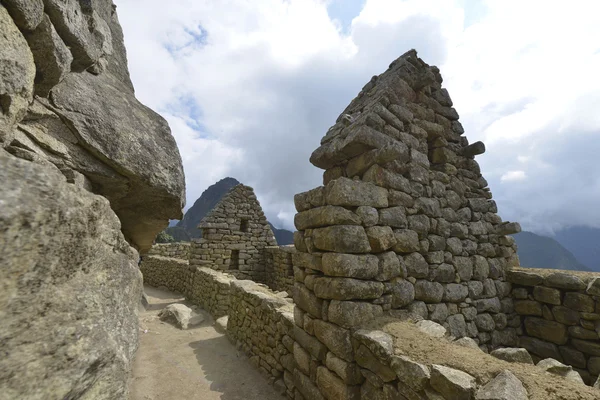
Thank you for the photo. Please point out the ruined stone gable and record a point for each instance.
(234, 236)
(404, 220)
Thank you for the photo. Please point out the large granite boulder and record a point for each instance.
(89, 175)
(85, 118)
(69, 289)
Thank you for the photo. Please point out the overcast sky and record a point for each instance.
(249, 87)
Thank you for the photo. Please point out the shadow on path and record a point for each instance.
(230, 374)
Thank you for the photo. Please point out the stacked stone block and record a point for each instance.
(180, 250)
(279, 268)
(211, 291)
(560, 315)
(234, 236)
(260, 323)
(172, 273)
(389, 373)
(404, 220)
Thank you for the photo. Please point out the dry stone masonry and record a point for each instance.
(179, 250)
(404, 220)
(402, 274)
(279, 268)
(560, 313)
(234, 236)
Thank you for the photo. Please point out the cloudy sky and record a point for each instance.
(250, 86)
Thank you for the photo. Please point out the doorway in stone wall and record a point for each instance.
(234, 262)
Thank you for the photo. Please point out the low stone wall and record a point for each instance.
(180, 250)
(261, 324)
(211, 291)
(260, 321)
(171, 273)
(279, 268)
(400, 360)
(560, 316)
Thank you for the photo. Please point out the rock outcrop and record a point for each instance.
(89, 175)
(67, 99)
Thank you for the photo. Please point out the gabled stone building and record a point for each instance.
(234, 236)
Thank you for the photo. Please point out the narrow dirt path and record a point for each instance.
(196, 364)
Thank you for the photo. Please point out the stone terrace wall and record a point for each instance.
(279, 268)
(211, 291)
(261, 323)
(180, 250)
(560, 315)
(398, 360)
(172, 273)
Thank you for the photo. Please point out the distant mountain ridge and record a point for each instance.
(536, 251)
(583, 242)
(186, 229)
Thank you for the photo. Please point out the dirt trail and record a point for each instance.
(195, 364)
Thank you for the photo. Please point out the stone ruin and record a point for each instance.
(404, 219)
(234, 236)
(404, 276)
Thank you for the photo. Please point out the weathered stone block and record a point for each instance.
(411, 373)
(528, 307)
(307, 301)
(564, 281)
(349, 372)
(310, 343)
(547, 295)
(325, 216)
(341, 239)
(381, 238)
(350, 314)
(350, 265)
(505, 386)
(394, 217)
(347, 288)
(452, 383)
(407, 241)
(511, 354)
(429, 292)
(416, 265)
(335, 338)
(579, 302)
(366, 359)
(547, 330)
(403, 293)
(333, 388)
(389, 266)
(348, 193)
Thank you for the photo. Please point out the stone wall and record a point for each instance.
(560, 316)
(404, 220)
(279, 268)
(261, 324)
(234, 236)
(259, 321)
(180, 250)
(211, 291)
(403, 360)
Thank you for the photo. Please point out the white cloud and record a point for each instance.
(513, 176)
(249, 88)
